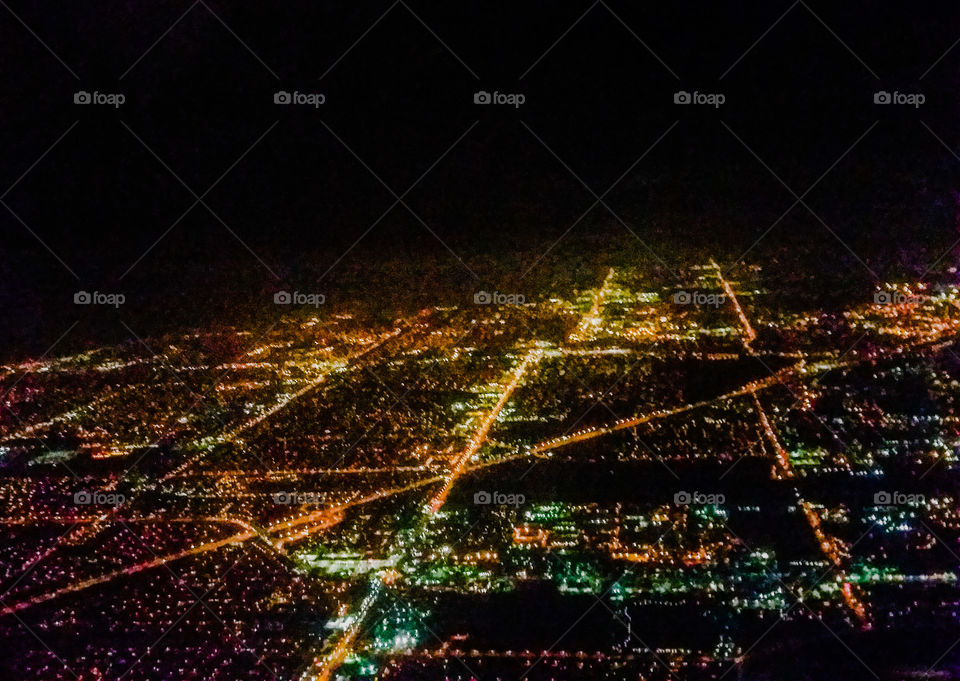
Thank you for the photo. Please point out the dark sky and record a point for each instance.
(287, 190)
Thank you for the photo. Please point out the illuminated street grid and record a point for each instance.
(617, 483)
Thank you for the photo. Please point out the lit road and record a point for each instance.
(591, 320)
(830, 546)
(233, 434)
(323, 668)
(480, 436)
(237, 538)
(749, 334)
(590, 433)
(782, 468)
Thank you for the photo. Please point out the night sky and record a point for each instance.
(199, 197)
